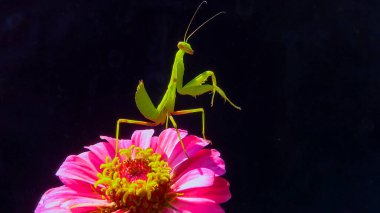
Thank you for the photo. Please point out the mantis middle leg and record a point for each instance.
(197, 86)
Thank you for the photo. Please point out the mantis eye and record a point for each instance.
(185, 47)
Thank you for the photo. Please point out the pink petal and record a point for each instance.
(121, 211)
(192, 145)
(194, 205)
(169, 210)
(84, 209)
(205, 158)
(218, 192)
(141, 138)
(168, 139)
(78, 173)
(52, 210)
(110, 140)
(64, 199)
(124, 144)
(99, 152)
(154, 143)
(195, 178)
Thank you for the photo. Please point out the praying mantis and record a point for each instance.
(165, 109)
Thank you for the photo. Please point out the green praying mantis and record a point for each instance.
(165, 109)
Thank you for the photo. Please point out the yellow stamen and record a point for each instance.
(136, 180)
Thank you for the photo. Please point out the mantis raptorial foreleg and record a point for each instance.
(198, 87)
(145, 104)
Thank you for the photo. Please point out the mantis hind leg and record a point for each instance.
(197, 86)
(129, 121)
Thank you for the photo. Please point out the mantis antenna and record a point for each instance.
(221, 12)
(191, 20)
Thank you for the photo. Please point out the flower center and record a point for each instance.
(136, 180)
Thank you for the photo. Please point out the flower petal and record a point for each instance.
(205, 158)
(52, 210)
(154, 143)
(169, 210)
(78, 173)
(110, 140)
(168, 139)
(218, 192)
(194, 205)
(192, 145)
(99, 152)
(123, 144)
(141, 138)
(195, 178)
(64, 199)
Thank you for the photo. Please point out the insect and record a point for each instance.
(165, 109)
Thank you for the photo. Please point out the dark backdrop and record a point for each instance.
(306, 74)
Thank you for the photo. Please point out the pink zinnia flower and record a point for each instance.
(148, 174)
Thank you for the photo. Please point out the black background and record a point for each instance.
(306, 74)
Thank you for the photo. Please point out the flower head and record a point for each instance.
(148, 174)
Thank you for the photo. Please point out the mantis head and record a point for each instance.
(184, 46)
